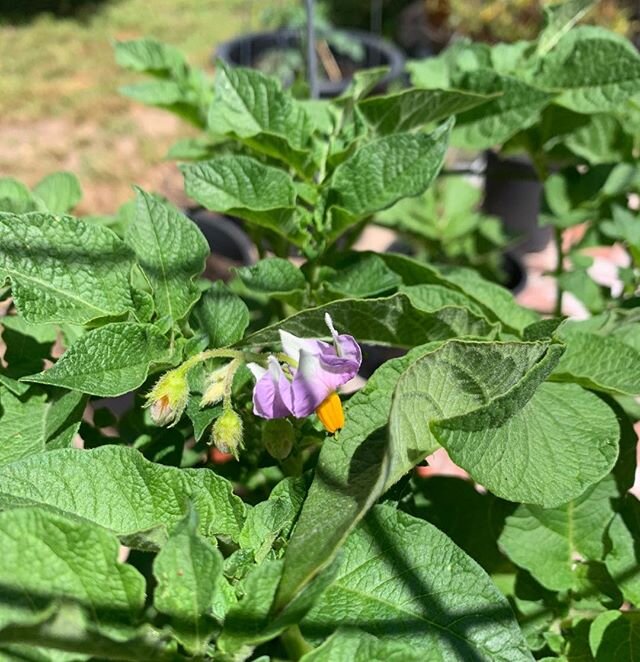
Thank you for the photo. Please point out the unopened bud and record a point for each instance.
(277, 436)
(214, 391)
(226, 433)
(168, 398)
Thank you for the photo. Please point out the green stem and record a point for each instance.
(220, 354)
(557, 235)
(294, 643)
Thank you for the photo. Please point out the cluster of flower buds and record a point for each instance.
(303, 379)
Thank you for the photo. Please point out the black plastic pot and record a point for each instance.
(512, 191)
(228, 242)
(246, 50)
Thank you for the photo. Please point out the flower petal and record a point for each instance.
(292, 345)
(272, 394)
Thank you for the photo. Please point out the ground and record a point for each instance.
(59, 101)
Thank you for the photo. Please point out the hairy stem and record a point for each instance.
(557, 235)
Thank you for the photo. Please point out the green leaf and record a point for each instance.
(359, 274)
(21, 430)
(358, 646)
(387, 321)
(516, 108)
(599, 362)
(412, 109)
(64, 270)
(349, 477)
(385, 170)
(272, 276)
(549, 542)
(497, 301)
(246, 188)
(253, 107)
(222, 315)
(149, 56)
(559, 19)
(60, 192)
(404, 581)
(623, 560)
(115, 487)
(62, 418)
(109, 361)
(49, 557)
(188, 570)
(563, 440)
(615, 635)
(591, 74)
(602, 140)
(171, 251)
(15, 197)
(264, 523)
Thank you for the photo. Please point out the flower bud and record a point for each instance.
(277, 436)
(214, 391)
(168, 398)
(226, 433)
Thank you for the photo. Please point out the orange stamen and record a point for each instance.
(330, 413)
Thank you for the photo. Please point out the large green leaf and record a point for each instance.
(118, 489)
(387, 321)
(550, 450)
(246, 188)
(60, 192)
(385, 170)
(411, 109)
(404, 581)
(253, 107)
(350, 475)
(63, 269)
(109, 361)
(516, 107)
(49, 557)
(549, 541)
(188, 570)
(591, 73)
(171, 251)
(222, 315)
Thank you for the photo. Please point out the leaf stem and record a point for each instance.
(312, 66)
(220, 354)
(557, 235)
(294, 643)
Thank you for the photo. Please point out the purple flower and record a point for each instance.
(313, 372)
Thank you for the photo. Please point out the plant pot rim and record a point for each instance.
(392, 57)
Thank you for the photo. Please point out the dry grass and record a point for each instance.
(59, 101)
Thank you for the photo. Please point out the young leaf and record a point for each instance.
(548, 541)
(272, 275)
(171, 251)
(109, 361)
(516, 107)
(253, 107)
(60, 192)
(600, 362)
(414, 108)
(149, 56)
(385, 170)
(246, 188)
(188, 570)
(222, 315)
(50, 557)
(115, 487)
(63, 269)
(591, 73)
(404, 581)
(15, 197)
